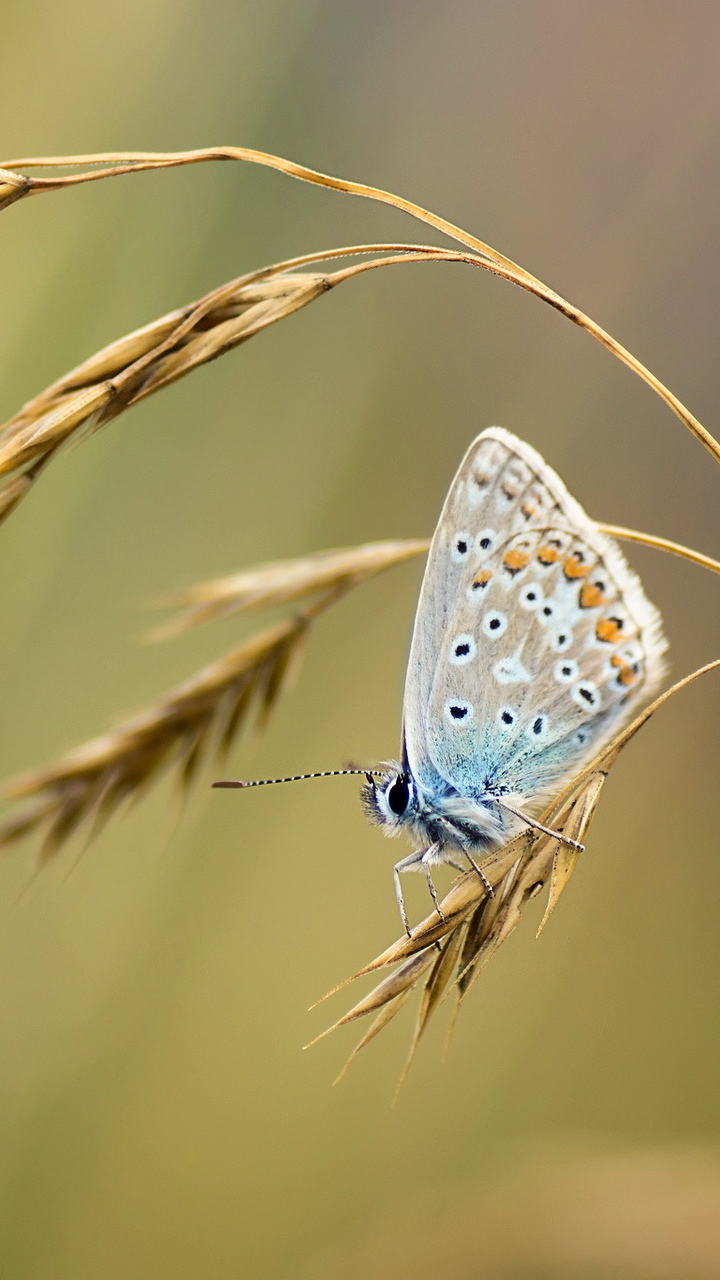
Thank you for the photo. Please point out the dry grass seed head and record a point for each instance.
(200, 716)
(473, 926)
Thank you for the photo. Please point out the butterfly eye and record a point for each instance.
(398, 796)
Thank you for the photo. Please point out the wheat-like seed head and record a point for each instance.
(202, 715)
(457, 944)
(284, 582)
(207, 711)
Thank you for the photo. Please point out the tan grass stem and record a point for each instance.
(113, 164)
(473, 926)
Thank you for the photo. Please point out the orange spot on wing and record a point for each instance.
(574, 568)
(625, 674)
(514, 560)
(509, 491)
(528, 511)
(482, 578)
(548, 555)
(590, 596)
(608, 630)
(480, 479)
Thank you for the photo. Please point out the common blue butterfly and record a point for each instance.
(533, 642)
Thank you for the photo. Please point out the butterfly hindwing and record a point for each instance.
(533, 640)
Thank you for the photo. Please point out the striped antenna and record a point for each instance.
(300, 777)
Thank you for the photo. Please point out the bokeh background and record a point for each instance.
(158, 1117)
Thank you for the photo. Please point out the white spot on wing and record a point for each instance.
(462, 649)
(561, 640)
(537, 728)
(586, 694)
(459, 712)
(485, 541)
(566, 670)
(494, 624)
(531, 597)
(460, 547)
(511, 671)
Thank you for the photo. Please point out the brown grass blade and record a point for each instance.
(386, 1015)
(196, 718)
(205, 714)
(662, 544)
(476, 925)
(285, 581)
(126, 372)
(435, 985)
(565, 859)
(14, 186)
(150, 358)
(395, 984)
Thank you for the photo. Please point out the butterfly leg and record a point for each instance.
(479, 871)
(419, 861)
(459, 866)
(538, 826)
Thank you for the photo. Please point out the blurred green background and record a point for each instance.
(158, 1117)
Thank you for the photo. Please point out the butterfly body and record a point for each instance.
(533, 642)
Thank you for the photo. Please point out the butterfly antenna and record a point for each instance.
(301, 777)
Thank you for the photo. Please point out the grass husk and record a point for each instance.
(204, 715)
(473, 926)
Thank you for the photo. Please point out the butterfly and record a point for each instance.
(533, 642)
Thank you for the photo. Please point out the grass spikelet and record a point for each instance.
(473, 925)
(204, 715)
(136, 366)
(285, 582)
(198, 717)
(15, 185)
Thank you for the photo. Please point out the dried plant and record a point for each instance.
(285, 581)
(15, 186)
(211, 709)
(201, 715)
(458, 943)
(207, 711)
(145, 361)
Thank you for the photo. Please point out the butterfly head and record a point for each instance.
(390, 798)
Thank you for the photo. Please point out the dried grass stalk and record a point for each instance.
(15, 185)
(150, 358)
(127, 371)
(199, 717)
(285, 582)
(215, 705)
(473, 926)
(207, 712)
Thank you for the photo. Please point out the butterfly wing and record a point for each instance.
(533, 640)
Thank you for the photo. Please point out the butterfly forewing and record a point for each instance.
(533, 639)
